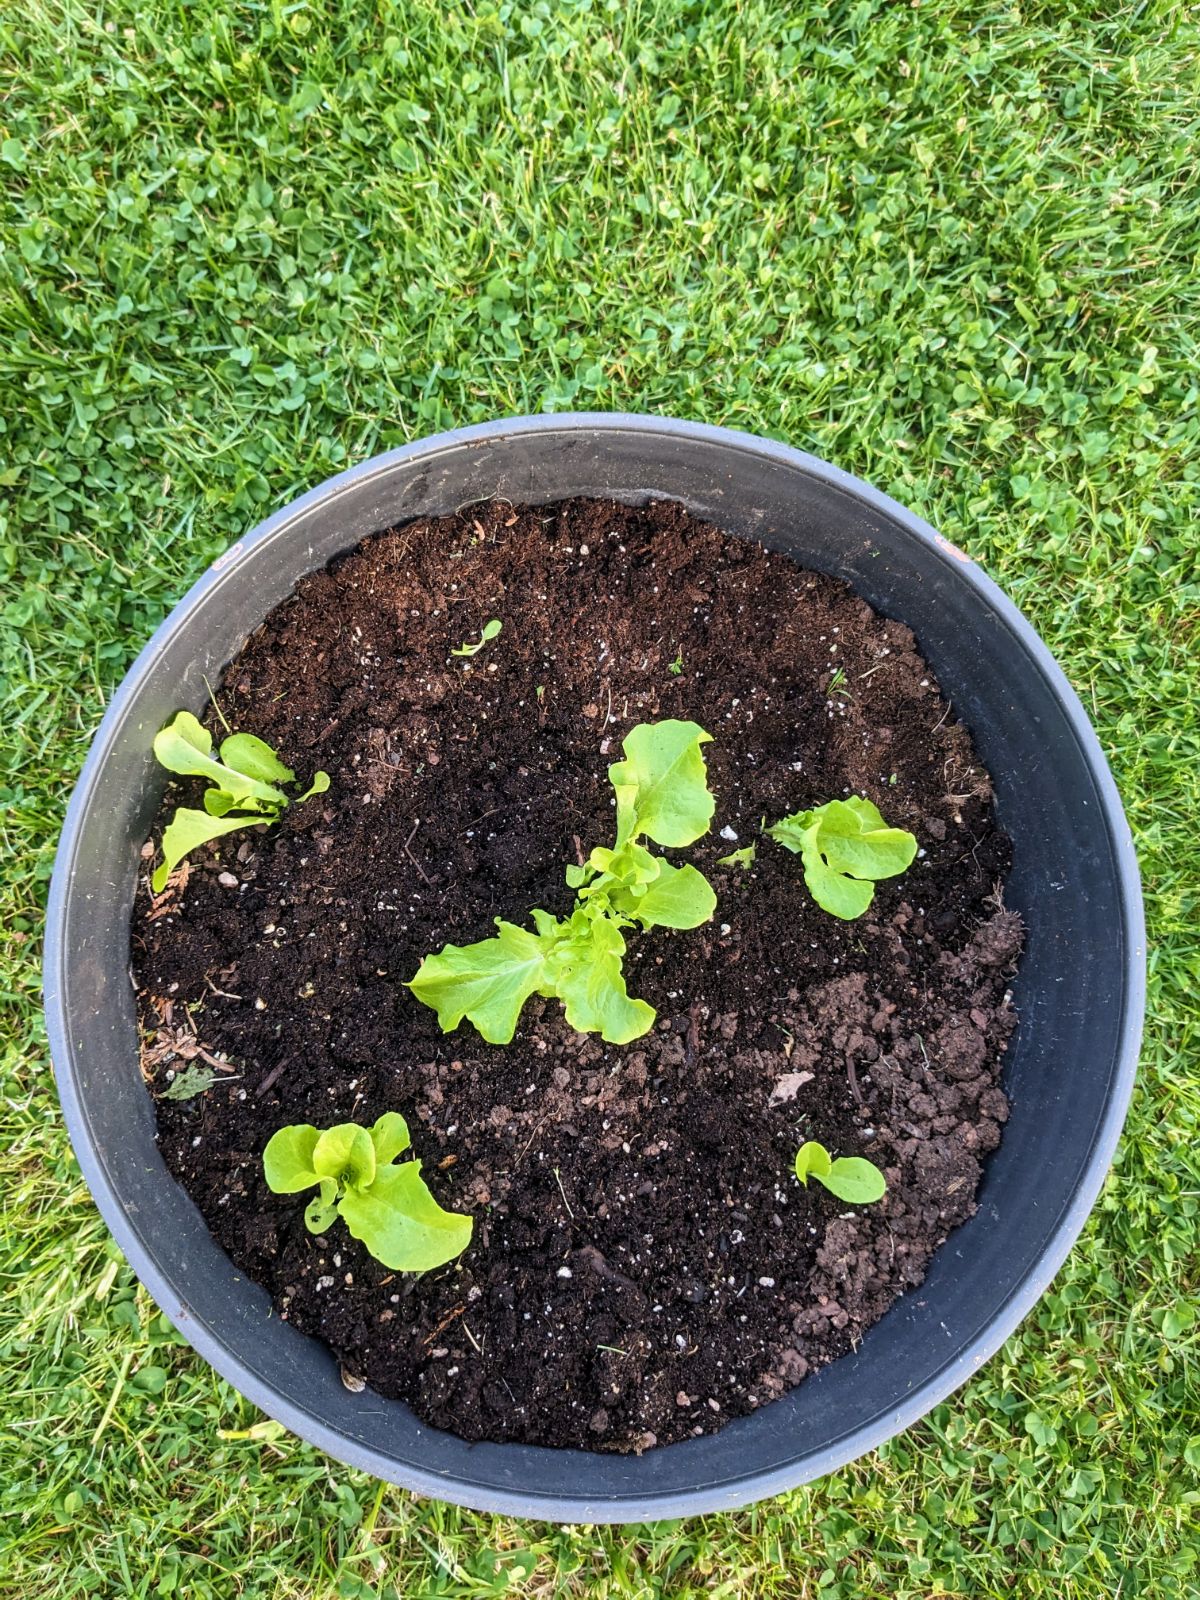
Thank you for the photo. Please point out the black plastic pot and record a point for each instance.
(1079, 992)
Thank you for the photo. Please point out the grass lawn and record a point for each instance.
(951, 247)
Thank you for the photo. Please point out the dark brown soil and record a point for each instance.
(644, 1264)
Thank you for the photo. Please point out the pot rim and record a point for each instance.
(642, 1501)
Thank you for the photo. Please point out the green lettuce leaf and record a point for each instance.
(855, 1180)
(390, 1137)
(489, 631)
(845, 847)
(184, 747)
(812, 1161)
(219, 803)
(184, 832)
(586, 975)
(388, 1207)
(288, 1159)
(662, 784)
(677, 897)
(243, 786)
(401, 1223)
(320, 1213)
(578, 962)
(850, 1178)
(854, 838)
(487, 982)
(246, 753)
(843, 897)
(345, 1153)
(318, 785)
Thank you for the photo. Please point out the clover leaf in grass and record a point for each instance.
(850, 1178)
(387, 1206)
(245, 787)
(661, 791)
(846, 847)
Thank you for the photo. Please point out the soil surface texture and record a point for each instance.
(644, 1264)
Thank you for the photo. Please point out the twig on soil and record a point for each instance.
(591, 1256)
(269, 1081)
(224, 993)
(563, 1192)
(854, 1089)
(474, 822)
(693, 1033)
(528, 1142)
(412, 857)
(973, 852)
(444, 1324)
(173, 1040)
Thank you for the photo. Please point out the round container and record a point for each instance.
(1079, 993)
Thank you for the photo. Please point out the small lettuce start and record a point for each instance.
(245, 787)
(850, 1178)
(386, 1206)
(489, 632)
(662, 794)
(845, 847)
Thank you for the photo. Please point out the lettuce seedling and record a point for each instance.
(245, 788)
(490, 630)
(846, 847)
(661, 794)
(388, 1207)
(851, 1178)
